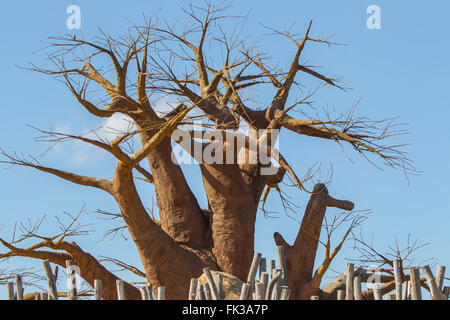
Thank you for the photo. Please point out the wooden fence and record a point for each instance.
(272, 284)
(404, 290)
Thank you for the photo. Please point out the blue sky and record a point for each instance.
(400, 70)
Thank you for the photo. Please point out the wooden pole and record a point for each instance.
(212, 285)
(147, 292)
(435, 292)
(218, 281)
(391, 296)
(72, 280)
(377, 295)
(11, 295)
(144, 293)
(193, 289)
(252, 273)
(409, 291)
(97, 289)
(52, 290)
(405, 291)
(19, 287)
(253, 295)
(285, 293)
(272, 268)
(446, 292)
(55, 272)
(416, 293)
(440, 273)
(150, 291)
(161, 293)
(357, 288)
(398, 279)
(244, 291)
(120, 290)
(259, 290)
(276, 290)
(283, 265)
(349, 294)
(340, 294)
(265, 282)
(201, 292)
(276, 293)
(272, 283)
(262, 267)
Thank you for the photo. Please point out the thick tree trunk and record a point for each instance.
(166, 262)
(180, 214)
(233, 217)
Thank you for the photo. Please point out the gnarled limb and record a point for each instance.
(14, 159)
(367, 140)
(281, 97)
(355, 221)
(301, 255)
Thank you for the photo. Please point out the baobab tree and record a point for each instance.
(212, 72)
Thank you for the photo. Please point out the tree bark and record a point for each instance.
(166, 262)
(180, 214)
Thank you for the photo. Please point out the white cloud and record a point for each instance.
(63, 128)
(163, 106)
(81, 155)
(113, 127)
(107, 131)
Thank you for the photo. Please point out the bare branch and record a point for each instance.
(14, 159)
